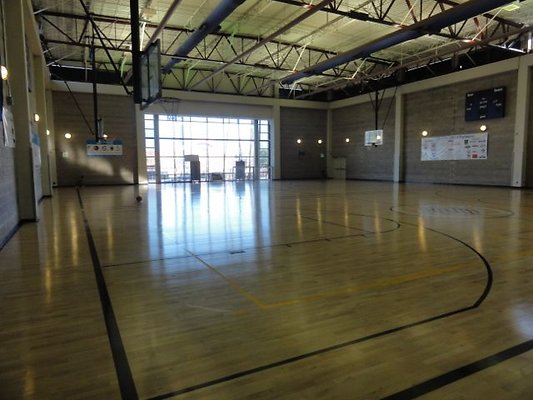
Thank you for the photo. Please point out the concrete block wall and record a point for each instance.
(440, 111)
(73, 164)
(8, 194)
(308, 159)
(9, 218)
(362, 162)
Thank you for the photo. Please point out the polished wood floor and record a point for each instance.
(271, 290)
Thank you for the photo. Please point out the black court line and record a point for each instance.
(290, 360)
(122, 367)
(460, 373)
(364, 234)
(9, 235)
(240, 374)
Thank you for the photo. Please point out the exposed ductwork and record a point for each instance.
(428, 26)
(210, 25)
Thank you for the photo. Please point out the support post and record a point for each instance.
(521, 124)
(275, 143)
(398, 173)
(24, 163)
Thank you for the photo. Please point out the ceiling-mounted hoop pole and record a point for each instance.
(376, 109)
(135, 51)
(95, 91)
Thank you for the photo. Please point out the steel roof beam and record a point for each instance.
(264, 67)
(209, 25)
(163, 23)
(125, 21)
(419, 62)
(430, 25)
(314, 9)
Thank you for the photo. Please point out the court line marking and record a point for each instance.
(233, 284)
(126, 383)
(237, 375)
(303, 356)
(278, 244)
(334, 347)
(335, 292)
(457, 374)
(379, 284)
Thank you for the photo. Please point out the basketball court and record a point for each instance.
(277, 289)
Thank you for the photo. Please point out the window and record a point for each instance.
(218, 142)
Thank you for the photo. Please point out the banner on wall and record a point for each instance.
(108, 148)
(9, 127)
(471, 146)
(36, 149)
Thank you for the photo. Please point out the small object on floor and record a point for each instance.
(139, 199)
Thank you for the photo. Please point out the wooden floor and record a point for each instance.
(271, 290)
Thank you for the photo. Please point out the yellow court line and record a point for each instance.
(234, 285)
(380, 284)
(383, 283)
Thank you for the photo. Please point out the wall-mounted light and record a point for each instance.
(299, 141)
(36, 117)
(483, 128)
(425, 133)
(319, 141)
(105, 136)
(347, 140)
(47, 132)
(4, 73)
(68, 135)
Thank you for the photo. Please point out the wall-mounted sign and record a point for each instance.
(104, 148)
(471, 146)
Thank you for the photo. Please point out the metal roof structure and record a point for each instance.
(321, 50)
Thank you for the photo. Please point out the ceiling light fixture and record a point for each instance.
(319, 141)
(347, 140)
(299, 141)
(483, 128)
(511, 7)
(425, 133)
(68, 135)
(36, 117)
(4, 72)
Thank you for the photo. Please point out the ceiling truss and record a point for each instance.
(223, 63)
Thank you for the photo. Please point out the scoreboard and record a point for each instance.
(485, 104)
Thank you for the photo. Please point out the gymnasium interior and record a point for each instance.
(266, 199)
